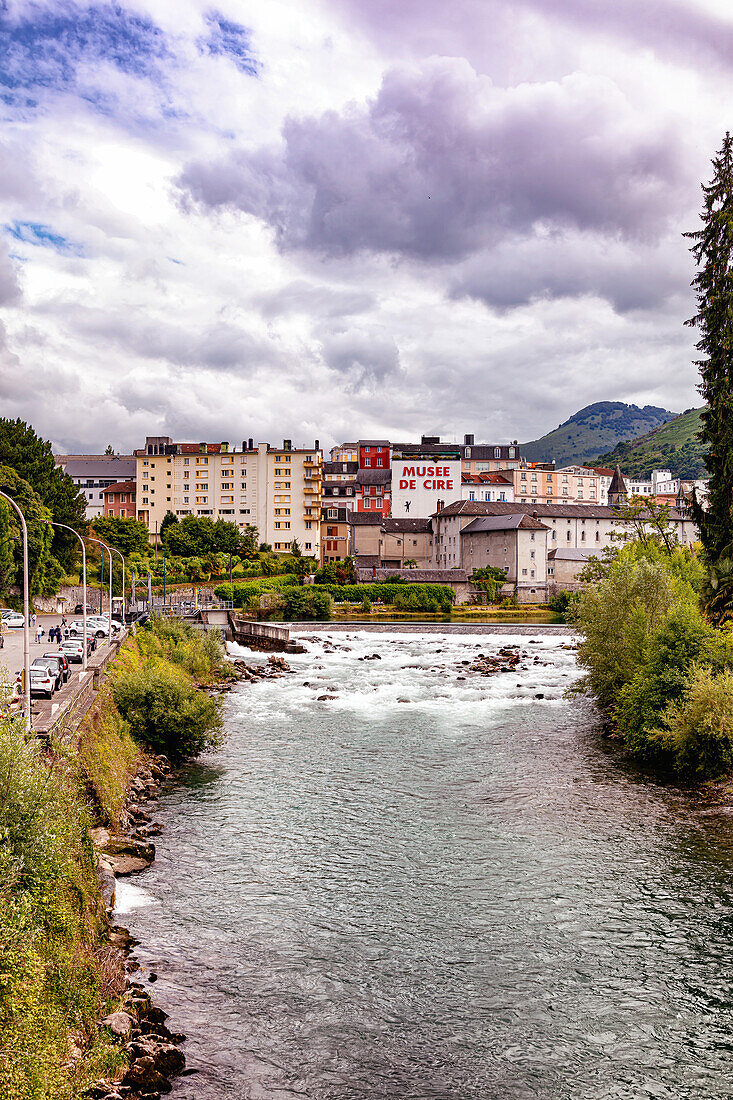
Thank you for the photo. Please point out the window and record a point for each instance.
(332, 513)
(367, 502)
(532, 537)
(367, 461)
(598, 536)
(186, 461)
(472, 495)
(308, 546)
(582, 536)
(497, 452)
(308, 524)
(565, 479)
(468, 452)
(531, 572)
(524, 572)
(512, 452)
(203, 485)
(187, 488)
(531, 553)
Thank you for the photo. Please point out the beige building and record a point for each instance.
(276, 489)
(571, 526)
(345, 452)
(516, 543)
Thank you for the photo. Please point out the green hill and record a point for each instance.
(674, 446)
(594, 429)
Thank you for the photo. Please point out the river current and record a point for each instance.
(435, 886)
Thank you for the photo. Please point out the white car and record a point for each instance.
(43, 681)
(11, 618)
(72, 650)
(97, 627)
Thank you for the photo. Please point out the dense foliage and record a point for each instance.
(160, 699)
(44, 570)
(306, 603)
(336, 572)
(32, 459)
(653, 661)
(403, 597)
(55, 976)
(129, 536)
(713, 251)
(194, 536)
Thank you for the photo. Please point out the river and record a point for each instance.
(435, 886)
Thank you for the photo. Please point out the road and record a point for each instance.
(11, 658)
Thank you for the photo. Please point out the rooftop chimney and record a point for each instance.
(251, 443)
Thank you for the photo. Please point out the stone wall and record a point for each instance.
(68, 597)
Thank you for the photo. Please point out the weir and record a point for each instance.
(261, 636)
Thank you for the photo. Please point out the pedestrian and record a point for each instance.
(63, 620)
(39, 633)
(66, 633)
(54, 634)
(33, 620)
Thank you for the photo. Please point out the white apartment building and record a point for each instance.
(276, 489)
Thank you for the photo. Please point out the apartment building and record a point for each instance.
(276, 489)
(92, 474)
(334, 533)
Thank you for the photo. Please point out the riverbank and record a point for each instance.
(72, 1021)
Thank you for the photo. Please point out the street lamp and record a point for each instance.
(26, 615)
(84, 582)
(120, 556)
(104, 544)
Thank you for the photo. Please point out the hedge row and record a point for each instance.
(242, 592)
(417, 597)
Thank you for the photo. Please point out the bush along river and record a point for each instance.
(415, 870)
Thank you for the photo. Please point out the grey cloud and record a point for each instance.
(9, 285)
(442, 163)
(683, 31)
(301, 296)
(633, 277)
(364, 357)
(218, 346)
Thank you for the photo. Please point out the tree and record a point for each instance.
(647, 521)
(32, 459)
(129, 536)
(168, 519)
(44, 570)
(295, 548)
(712, 249)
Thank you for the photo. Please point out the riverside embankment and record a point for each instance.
(72, 819)
(409, 875)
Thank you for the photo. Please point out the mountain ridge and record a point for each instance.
(674, 445)
(593, 430)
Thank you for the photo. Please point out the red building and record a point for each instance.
(119, 500)
(374, 454)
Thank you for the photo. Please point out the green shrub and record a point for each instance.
(166, 711)
(699, 729)
(307, 603)
(201, 654)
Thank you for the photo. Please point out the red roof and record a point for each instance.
(121, 487)
(484, 479)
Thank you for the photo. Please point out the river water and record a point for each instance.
(435, 887)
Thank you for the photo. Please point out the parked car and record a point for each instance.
(73, 649)
(94, 626)
(54, 668)
(43, 681)
(11, 618)
(59, 655)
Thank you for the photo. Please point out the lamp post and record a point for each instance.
(84, 582)
(120, 556)
(104, 544)
(26, 616)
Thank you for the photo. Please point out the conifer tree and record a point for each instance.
(713, 251)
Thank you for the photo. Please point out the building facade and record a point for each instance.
(334, 533)
(516, 543)
(572, 526)
(278, 490)
(487, 487)
(119, 500)
(92, 474)
(345, 452)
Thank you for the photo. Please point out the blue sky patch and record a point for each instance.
(231, 40)
(45, 48)
(36, 233)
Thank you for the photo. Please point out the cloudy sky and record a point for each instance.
(333, 218)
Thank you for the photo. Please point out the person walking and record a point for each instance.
(39, 633)
(33, 620)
